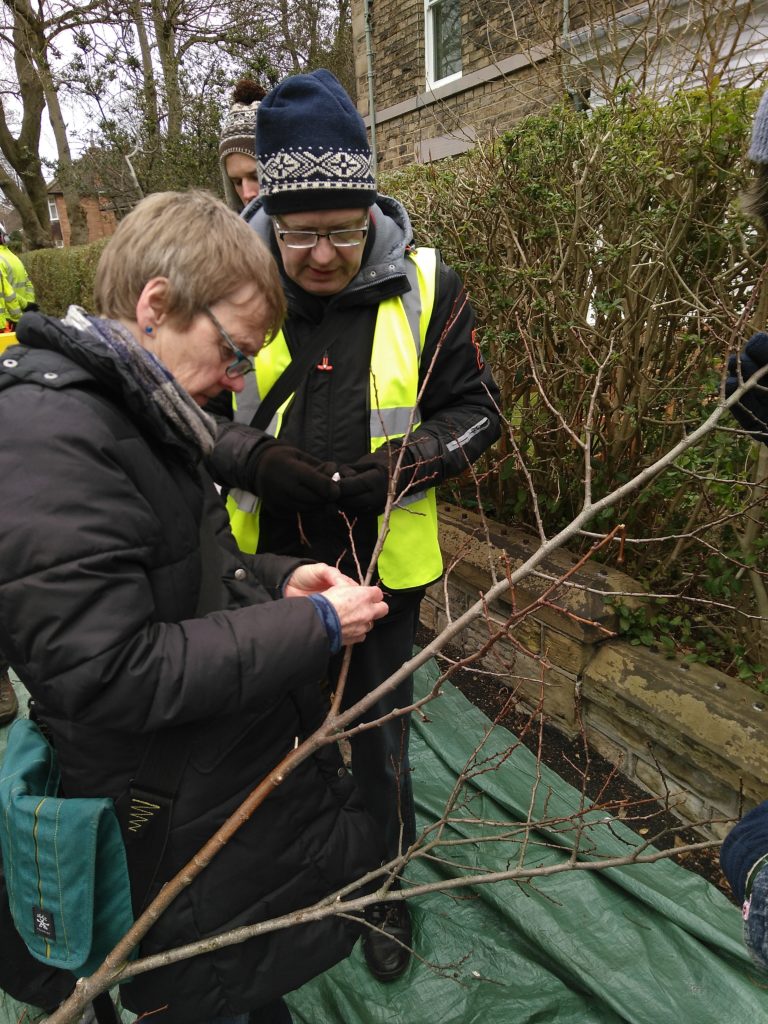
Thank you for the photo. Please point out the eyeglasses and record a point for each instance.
(344, 238)
(242, 363)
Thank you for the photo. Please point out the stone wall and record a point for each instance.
(686, 733)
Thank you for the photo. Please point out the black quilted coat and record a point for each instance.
(100, 568)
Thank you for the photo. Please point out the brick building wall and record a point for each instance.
(511, 62)
(398, 29)
(458, 122)
(507, 73)
(101, 222)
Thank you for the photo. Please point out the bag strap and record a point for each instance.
(145, 811)
(296, 370)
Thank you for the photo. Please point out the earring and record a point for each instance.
(148, 329)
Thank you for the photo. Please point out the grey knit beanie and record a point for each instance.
(238, 131)
(758, 151)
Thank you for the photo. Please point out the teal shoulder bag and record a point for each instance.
(64, 859)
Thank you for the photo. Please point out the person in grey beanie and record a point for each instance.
(752, 411)
(375, 387)
(237, 145)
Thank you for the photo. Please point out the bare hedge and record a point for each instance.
(611, 270)
(64, 276)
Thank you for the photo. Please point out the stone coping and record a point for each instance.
(707, 730)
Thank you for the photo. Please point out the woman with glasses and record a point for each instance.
(120, 632)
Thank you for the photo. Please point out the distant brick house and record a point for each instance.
(447, 74)
(10, 219)
(99, 215)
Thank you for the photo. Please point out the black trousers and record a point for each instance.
(380, 764)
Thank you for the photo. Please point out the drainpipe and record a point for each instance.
(369, 64)
(565, 44)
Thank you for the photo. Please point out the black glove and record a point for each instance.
(752, 411)
(364, 484)
(286, 477)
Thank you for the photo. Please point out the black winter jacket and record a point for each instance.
(329, 416)
(99, 578)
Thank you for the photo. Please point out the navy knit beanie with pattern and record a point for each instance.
(312, 148)
(743, 847)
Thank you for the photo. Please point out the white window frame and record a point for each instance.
(429, 47)
(53, 210)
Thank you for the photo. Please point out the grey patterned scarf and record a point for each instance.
(159, 387)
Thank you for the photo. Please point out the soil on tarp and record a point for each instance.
(589, 772)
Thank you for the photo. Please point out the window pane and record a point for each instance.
(446, 27)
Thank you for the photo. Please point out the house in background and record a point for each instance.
(444, 75)
(10, 219)
(99, 214)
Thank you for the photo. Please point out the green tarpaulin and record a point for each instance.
(645, 944)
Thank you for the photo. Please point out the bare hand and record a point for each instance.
(357, 608)
(315, 578)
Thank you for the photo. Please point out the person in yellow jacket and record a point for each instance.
(379, 338)
(16, 289)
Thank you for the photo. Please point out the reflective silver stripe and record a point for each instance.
(459, 442)
(393, 422)
(412, 304)
(410, 499)
(272, 425)
(248, 400)
(244, 500)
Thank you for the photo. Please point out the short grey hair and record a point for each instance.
(201, 246)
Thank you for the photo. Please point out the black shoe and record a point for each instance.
(387, 954)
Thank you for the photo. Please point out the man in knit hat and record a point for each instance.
(237, 145)
(374, 387)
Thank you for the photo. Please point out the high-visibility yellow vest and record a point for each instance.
(17, 290)
(411, 555)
